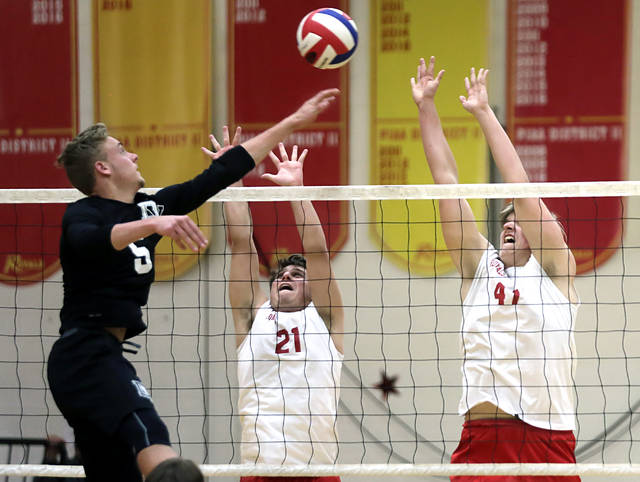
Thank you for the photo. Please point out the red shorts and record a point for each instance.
(513, 441)
(288, 479)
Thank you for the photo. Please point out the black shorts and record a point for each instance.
(92, 382)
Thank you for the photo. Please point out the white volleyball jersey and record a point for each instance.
(289, 378)
(518, 345)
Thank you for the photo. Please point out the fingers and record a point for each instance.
(274, 159)
(214, 142)
(284, 157)
(440, 74)
(475, 84)
(302, 156)
(208, 152)
(325, 103)
(226, 140)
(183, 231)
(432, 66)
(422, 68)
(187, 235)
(324, 98)
(237, 136)
(283, 152)
(482, 76)
(323, 94)
(225, 135)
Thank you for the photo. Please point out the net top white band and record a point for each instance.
(344, 193)
(360, 470)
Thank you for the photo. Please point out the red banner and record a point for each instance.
(567, 74)
(38, 115)
(268, 80)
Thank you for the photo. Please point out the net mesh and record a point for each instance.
(402, 328)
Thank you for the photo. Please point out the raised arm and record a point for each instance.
(245, 293)
(260, 145)
(325, 292)
(464, 241)
(544, 234)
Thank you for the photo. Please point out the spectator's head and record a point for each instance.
(176, 469)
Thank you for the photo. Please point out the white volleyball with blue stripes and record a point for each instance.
(327, 38)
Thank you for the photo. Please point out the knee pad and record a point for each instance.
(143, 428)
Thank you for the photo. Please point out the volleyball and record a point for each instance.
(327, 38)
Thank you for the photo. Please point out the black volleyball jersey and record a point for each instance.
(106, 287)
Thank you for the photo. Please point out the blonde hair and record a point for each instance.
(510, 209)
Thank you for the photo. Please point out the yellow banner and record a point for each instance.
(457, 34)
(152, 74)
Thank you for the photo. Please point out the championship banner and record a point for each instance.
(38, 116)
(152, 73)
(402, 32)
(567, 109)
(268, 80)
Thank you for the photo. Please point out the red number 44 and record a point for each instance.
(281, 346)
(498, 294)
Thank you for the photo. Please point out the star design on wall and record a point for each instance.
(387, 385)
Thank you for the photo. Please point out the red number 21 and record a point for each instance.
(284, 334)
(498, 294)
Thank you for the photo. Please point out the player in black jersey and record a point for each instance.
(107, 254)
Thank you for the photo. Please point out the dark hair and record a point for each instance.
(80, 155)
(294, 259)
(175, 469)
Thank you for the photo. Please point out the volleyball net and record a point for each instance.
(401, 378)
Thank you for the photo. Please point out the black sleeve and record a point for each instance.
(86, 233)
(184, 198)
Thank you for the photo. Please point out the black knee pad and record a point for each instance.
(143, 428)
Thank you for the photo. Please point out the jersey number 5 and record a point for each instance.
(281, 346)
(141, 253)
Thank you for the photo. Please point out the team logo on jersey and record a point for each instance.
(140, 388)
(498, 266)
(150, 209)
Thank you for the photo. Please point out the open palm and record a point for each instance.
(289, 170)
(477, 97)
(427, 84)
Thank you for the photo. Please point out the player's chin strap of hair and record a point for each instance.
(133, 350)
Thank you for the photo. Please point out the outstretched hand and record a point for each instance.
(218, 150)
(309, 111)
(289, 170)
(427, 85)
(477, 98)
(182, 230)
